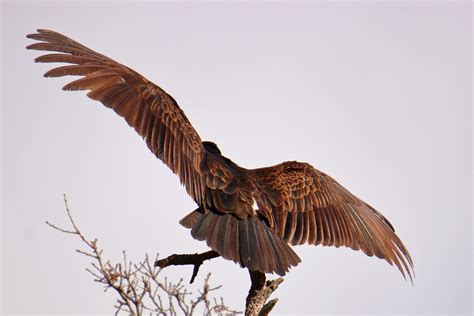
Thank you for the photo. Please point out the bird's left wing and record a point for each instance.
(304, 205)
(147, 108)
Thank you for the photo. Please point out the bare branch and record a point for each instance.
(60, 229)
(187, 259)
(137, 285)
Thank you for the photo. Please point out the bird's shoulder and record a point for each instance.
(286, 175)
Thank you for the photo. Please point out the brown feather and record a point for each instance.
(63, 58)
(312, 229)
(290, 226)
(298, 229)
(92, 81)
(257, 261)
(106, 91)
(75, 70)
(231, 243)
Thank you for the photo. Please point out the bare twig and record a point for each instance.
(138, 287)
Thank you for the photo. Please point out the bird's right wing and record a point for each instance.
(147, 108)
(304, 205)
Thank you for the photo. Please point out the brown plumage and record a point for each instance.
(248, 216)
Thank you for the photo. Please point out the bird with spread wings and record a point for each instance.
(249, 216)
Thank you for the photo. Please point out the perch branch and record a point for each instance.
(196, 260)
(260, 290)
(259, 293)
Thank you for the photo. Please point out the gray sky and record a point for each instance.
(378, 95)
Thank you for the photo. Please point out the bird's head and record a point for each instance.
(211, 147)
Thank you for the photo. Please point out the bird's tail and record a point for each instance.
(248, 242)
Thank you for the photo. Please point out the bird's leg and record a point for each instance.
(196, 259)
(259, 292)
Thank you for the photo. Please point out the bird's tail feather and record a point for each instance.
(248, 242)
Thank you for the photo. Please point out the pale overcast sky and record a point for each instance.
(376, 94)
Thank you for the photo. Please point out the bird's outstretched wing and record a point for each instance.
(224, 196)
(304, 205)
(153, 113)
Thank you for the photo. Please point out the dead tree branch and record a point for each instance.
(260, 290)
(259, 293)
(138, 287)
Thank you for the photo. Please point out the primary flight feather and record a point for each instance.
(249, 216)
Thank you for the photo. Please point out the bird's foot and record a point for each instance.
(196, 259)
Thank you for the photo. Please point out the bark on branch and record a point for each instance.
(259, 293)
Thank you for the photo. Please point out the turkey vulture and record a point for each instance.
(249, 216)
